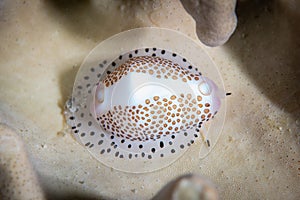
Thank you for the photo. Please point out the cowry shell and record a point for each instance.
(149, 97)
(142, 110)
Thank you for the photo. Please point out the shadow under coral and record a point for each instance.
(92, 20)
(268, 45)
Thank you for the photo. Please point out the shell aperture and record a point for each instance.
(148, 106)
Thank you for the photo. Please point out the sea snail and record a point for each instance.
(150, 103)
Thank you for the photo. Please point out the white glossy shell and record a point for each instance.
(148, 97)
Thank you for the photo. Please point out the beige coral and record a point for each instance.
(191, 186)
(215, 19)
(17, 177)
